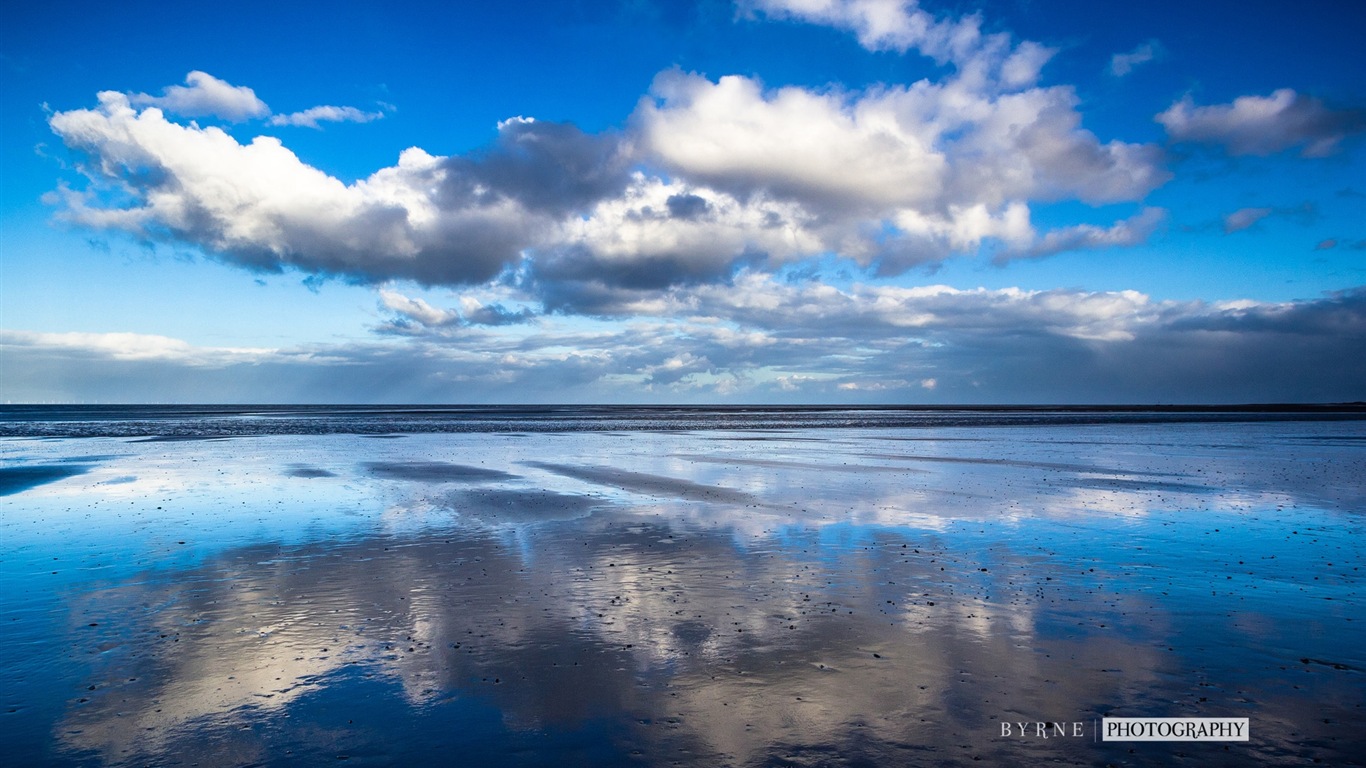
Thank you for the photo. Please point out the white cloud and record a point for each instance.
(922, 146)
(204, 95)
(1022, 67)
(414, 316)
(658, 232)
(1122, 64)
(680, 220)
(1243, 218)
(768, 309)
(260, 206)
(892, 177)
(1263, 125)
(707, 178)
(897, 25)
(1134, 230)
(865, 312)
(950, 162)
(134, 346)
(416, 309)
(310, 117)
(902, 25)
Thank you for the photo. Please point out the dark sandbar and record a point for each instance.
(16, 479)
(507, 506)
(433, 472)
(300, 470)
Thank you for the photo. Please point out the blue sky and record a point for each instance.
(762, 201)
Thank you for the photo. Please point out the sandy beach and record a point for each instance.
(684, 597)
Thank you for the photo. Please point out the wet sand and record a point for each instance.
(814, 597)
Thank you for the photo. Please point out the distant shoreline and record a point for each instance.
(168, 422)
(447, 407)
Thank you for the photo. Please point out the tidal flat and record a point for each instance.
(683, 596)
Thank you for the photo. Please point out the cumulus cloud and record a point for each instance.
(659, 233)
(432, 219)
(944, 166)
(1264, 125)
(311, 117)
(550, 168)
(671, 241)
(204, 95)
(923, 146)
(708, 178)
(1122, 64)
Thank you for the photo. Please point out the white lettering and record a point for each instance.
(1043, 729)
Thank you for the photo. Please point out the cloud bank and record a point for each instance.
(770, 342)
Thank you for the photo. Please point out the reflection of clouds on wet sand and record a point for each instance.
(710, 601)
(743, 650)
(884, 642)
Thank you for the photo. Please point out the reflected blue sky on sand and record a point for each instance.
(710, 597)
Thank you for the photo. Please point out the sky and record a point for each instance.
(757, 201)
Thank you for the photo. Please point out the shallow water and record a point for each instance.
(795, 596)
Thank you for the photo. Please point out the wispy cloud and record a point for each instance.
(133, 346)
(1244, 218)
(1247, 218)
(1131, 231)
(1122, 64)
(897, 25)
(311, 117)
